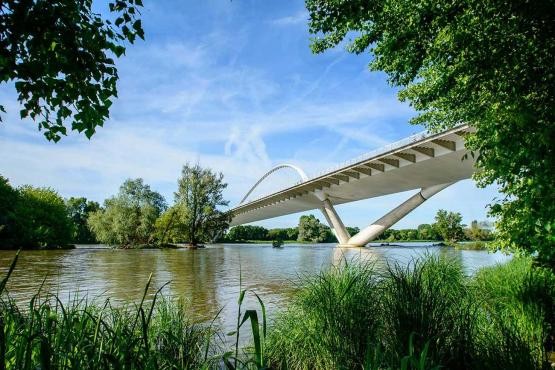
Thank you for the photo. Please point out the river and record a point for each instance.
(207, 279)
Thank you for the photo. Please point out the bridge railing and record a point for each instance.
(363, 157)
(374, 153)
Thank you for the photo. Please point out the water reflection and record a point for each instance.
(207, 279)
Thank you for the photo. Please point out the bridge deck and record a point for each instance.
(413, 163)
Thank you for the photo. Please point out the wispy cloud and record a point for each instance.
(300, 17)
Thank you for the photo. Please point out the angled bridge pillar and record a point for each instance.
(334, 221)
(372, 231)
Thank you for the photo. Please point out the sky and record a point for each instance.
(231, 85)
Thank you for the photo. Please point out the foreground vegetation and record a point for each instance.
(423, 315)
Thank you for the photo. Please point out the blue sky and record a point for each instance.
(231, 85)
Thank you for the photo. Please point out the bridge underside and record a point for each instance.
(431, 162)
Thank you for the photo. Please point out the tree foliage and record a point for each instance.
(312, 230)
(128, 219)
(199, 196)
(59, 55)
(8, 201)
(171, 225)
(41, 219)
(426, 232)
(488, 64)
(32, 217)
(249, 232)
(478, 231)
(79, 210)
(449, 226)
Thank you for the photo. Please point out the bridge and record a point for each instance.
(426, 161)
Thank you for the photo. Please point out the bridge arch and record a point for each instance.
(301, 173)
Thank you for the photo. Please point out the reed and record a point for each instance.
(428, 300)
(422, 315)
(330, 323)
(517, 321)
(49, 334)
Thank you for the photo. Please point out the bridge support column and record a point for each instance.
(335, 222)
(375, 229)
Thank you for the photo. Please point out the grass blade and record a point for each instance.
(12, 267)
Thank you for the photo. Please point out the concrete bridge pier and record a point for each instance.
(372, 231)
(334, 221)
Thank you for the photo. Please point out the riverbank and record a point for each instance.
(466, 244)
(349, 316)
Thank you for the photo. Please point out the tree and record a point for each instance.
(247, 232)
(353, 230)
(199, 194)
(487, 64)
(448, 225)
(426, 232)
(170, 225)
(41, 219)
(292, 233)
(129, 218)
(8, 201)
(59, 54)
(278, 234)
(79, 210)
(312, 230)
(477, 232)
(388, 235)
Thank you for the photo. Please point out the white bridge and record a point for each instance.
(428, 162)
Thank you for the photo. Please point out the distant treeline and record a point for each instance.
(32, 217)
(315, 233)
(447, 227)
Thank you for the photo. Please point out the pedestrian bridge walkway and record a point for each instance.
(427, 162)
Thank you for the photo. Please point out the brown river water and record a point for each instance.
(207, 279)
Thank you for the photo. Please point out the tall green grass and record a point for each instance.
(48, 334)
(82, 336)
(423, 315)
(428, 300)
(517, 318)
(330, 323)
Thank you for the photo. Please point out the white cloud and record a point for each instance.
(300, 17)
